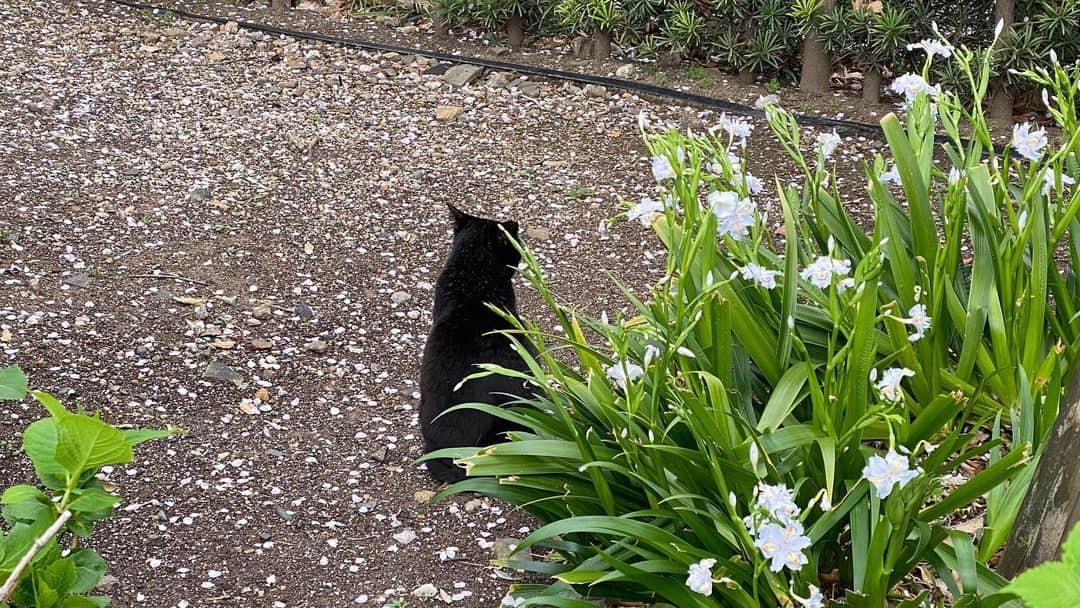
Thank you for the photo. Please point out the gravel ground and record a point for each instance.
(237, 235)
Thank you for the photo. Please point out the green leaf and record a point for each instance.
(22, 492)
(12, 383)
(60, 575)
(134, 437)
(39, 443)
(93, 500)
(1050, 585)
(77, 601)
(85, 443)
(89, 568)
(50, 403)
(786, 395)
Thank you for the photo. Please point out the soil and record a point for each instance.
(179, 194)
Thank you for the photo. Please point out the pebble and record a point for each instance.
(462, 74)
(223, 373)
(447, 113)
(261, 344)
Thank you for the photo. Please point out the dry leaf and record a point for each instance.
(215, 57)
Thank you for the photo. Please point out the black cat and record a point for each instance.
(479, 270)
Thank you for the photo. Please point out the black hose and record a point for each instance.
(507, 66)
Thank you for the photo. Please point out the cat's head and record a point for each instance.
(485, 237)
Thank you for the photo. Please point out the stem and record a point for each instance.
(39, 544)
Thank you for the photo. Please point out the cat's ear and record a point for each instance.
(460, 217)
(511, 228)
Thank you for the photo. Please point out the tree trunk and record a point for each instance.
(816, 63)
(279, 6)
(1052, 505)
(745, 76)
(601, 48)
(871, 86)
(515, 31)
(1001, 99)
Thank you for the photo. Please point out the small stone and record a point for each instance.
(224, 344)
(380, 454)
(261, 344)
(462, 74)
(400, 297)
(526, 87)
(199, 193)
(405, 537)
(427, 590)
(627, 70)
(304, 311)
(498, 80)
(78, 280)
(275, 453)
(262, 394)
(595, 90)
(445, 113)
(262, 312)
(500, 51)
(423, 496)
(283, 513)
(316, 346)
(249, 408)
(291, 83)
(540, 234)
(223, 373)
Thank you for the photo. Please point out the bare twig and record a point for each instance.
(174, 277)
(39, 544)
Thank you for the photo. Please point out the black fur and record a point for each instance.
(478, 271)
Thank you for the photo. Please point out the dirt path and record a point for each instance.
(299, 190)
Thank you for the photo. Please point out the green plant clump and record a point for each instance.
(787, 418)
(67, 450)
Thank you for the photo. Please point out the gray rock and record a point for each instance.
(78, 280)
(500, 51)
(262, 312)
(283, 513)
(304, 311)
(199, 193)
(627, 70)
(462, 74)
(400, 297)
(222, 373)
(526, 87)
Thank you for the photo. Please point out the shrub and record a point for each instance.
(67, 449)
(782, 414)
